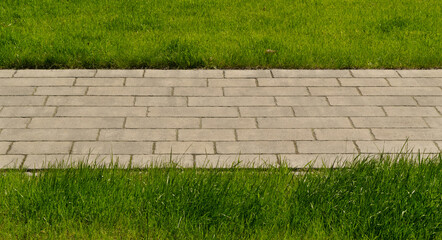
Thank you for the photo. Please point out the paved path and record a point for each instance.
(210, 115)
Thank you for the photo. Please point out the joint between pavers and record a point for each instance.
(389, 84)
(351, 73)
(153, 147)
(438, 146)
(75, 81)
(215, 151)
(95, 73)
(425, 121)
(71, 149)
(176, 135)
(86, 92)
(296, 147)
(124, 122)
(372, 134)
(224, 73)
(351, 122)
(256, 82)
(98, 135)
(359, 91)
(356, 146)
(398, 73)
(236, 134)
(35, 90)
(256, 122)
(308, 90)
(124, 81)
(239, 112)
(271, 73)
(16, 70)
(29, 122)
(383, 110)
(135, 99)
(200, 123)
(45, 101)
(314, 134)
(327, 100)
(9, 148)
(55, 112)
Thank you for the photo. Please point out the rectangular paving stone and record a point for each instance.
(6, 73)
(343, 134)
(265, 91)
(162, 123)
(163, 160)
(184, 147)
(275, 134)
(206, 135)
(338, 111)
(230, 160)
(342, 91)
(299, 82)
(266, 111)
(13, 122)
(67, 161)
(429, 101)
(40, 73)
(421, 73)
(228, 123)
(11, 161)
(368, 73)
(167, 82)
(283, 73)
(316, 160)
(76, 122)
(17, 91)
(235, 82)
(40, 148)
(255, 147)
(193, 111)
(101, 111)
(359, 82)
(397, 146)
(183, 73)
(119, 73)
(371, 101)
(200, 91)
(137, 134)
(411, 111)
(90, 101)
(138, 91)
(48, 134)
(4, 146)
(326, 147)
(21, 100)
(247, 73)
(27, 111)
(301, 101)
(115, 82)
(231, 101)
(304, 122)
(388, 122)
(434, 122)
(416, 82)
(33, 82)
(409, 133)
(60, 91)
(398, 91)
(161, 101)
(112, 148)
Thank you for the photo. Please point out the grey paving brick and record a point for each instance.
(76, 122)
(283, 73)
(184, 73)
(11, 161)
(206, 135)
(398, 91)
(421, 73)
(4, 146)
(197, 91)
(161, 101)
(236, 82)
(101, 111)
(247, 73)
(255, 147)
(231, 101)
(434, 122)
(27, 111)
(338, 111)
(90, 101)
(359, 82)
(193, 111)
(416, 82)
(60, 91)
(119, 73)
(13, 122)
(167, 82)
(326, 147)
(137, 134)
(40, 73)
(40, 148)
(304, 122)
(396, 146)
(300, 82)
(265, 91)
(343, 134)
(371, 101)
(266, 111)
(301, 101)
(31, 82)
(162, 123)
(48, 134)
(388, 122)
(340, 91)
(112, 148)
(132, 91)
(184, 147)
(6, 73)
(409, 133)
(17, 91)
(411, 111)
(228, 123)
(439, 143)
(243, 160)
(115, 82)
(429, 101)
(274, 134)
(439, 109)
(21, 100)
(374, 73)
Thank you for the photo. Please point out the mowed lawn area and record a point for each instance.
(220, 34)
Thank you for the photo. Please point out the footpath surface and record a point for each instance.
(209, 117)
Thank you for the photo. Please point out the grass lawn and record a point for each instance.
(220, 34)
(380, 197)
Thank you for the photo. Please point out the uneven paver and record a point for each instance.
(212, 118)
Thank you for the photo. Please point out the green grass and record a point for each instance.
(382, 197)
(220, 34)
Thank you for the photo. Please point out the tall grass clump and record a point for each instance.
(376, 197)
